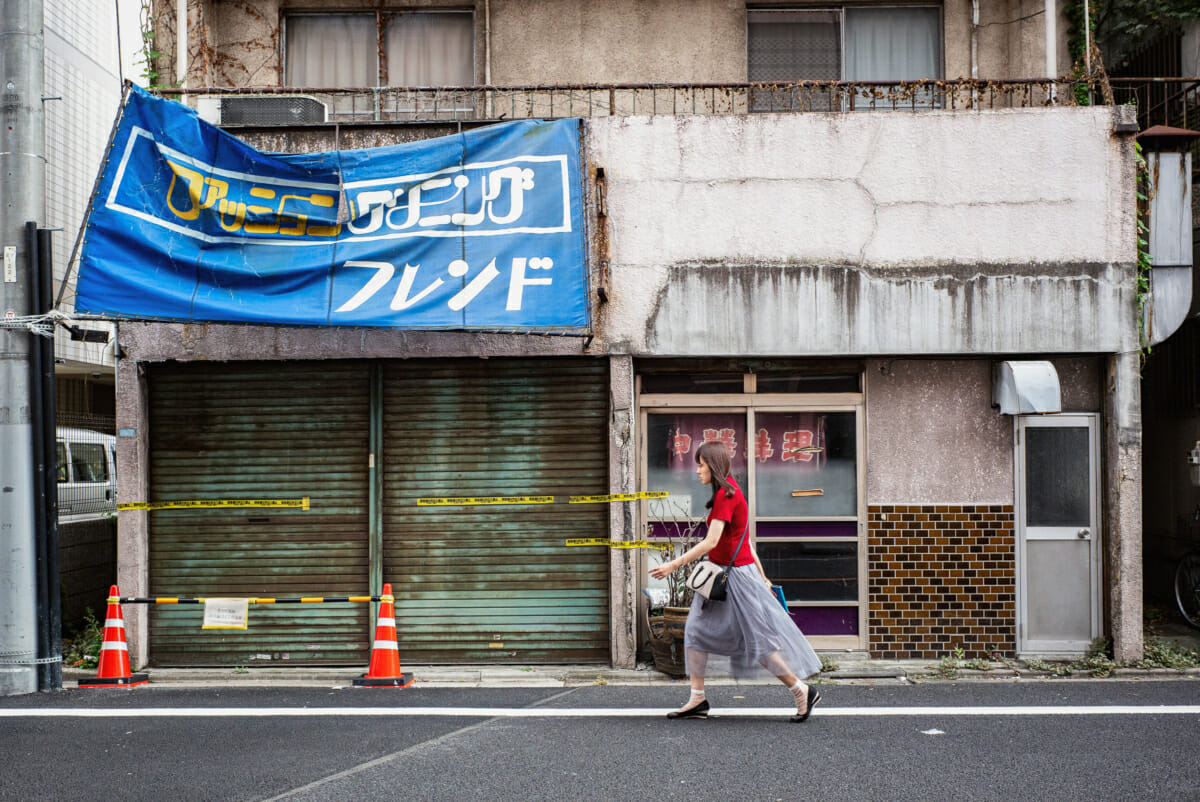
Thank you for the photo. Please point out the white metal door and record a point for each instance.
(1058, 534)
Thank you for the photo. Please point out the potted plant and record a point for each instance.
(667, 609)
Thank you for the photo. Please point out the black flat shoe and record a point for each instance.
(814, 696)
(698, 711)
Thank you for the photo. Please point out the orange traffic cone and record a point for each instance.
(114, 653)
(384, 671)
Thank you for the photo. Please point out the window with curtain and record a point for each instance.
(794, 45)
(857, 43)
(331, 50)
(420, 48)
(893, 44)
(430, 49)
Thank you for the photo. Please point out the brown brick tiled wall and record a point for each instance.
(941, 577)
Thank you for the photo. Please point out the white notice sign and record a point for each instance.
(225, 613)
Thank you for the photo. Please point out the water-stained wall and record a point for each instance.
(934, 437)
(869, 233)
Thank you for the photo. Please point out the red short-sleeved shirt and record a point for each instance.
(733, 511)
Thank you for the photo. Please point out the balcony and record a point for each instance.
(1174, 102)
(493, 103)
(1161, 101)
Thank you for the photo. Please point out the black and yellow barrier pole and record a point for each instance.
(253, 600)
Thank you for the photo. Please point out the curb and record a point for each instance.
(583, 676)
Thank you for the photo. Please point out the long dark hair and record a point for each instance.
(716, 457)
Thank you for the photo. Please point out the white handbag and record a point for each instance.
(711, 580)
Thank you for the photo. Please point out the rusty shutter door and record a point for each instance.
(496, 584)
(271, 430)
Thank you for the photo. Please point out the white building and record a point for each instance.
(83, 89)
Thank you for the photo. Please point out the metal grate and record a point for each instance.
(271, 110)
(792, 46)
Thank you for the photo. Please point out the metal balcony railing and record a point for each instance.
(1161, 101)
(464, 103)
(1174, 102)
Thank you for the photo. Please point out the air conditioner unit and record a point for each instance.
(260, 109)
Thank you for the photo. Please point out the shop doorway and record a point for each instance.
(798, 458)
(1058, 534)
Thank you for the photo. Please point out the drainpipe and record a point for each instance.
(181, 42)
(487, 55)
(974, 39)
(1051, 39)
(487, 42)
(1087, 38)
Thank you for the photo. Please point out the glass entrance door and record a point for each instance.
(800, 469)
(1059, 536)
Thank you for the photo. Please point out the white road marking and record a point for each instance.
(591, 712)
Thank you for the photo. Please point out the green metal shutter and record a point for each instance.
(496, 584)
(272, 430)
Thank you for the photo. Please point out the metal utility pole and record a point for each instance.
(22, 200)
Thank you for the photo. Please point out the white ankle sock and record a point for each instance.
(796, 688)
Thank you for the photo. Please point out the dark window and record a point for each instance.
(812, 572)
(900, 43)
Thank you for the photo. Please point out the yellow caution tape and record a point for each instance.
(472, 501)
(458, 501)
(297, 503)
(617, 544)
(617, 497)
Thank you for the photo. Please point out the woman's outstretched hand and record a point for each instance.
(662, 571)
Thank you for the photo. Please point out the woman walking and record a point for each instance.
(749, 627)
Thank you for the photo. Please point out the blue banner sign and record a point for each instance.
(483, 230)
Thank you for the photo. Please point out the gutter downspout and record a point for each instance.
(487, 53)
(1087, 38)
(974, 40)
(181, 42)
(1051, 39)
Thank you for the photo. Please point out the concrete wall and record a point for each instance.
(235, 43)
(133, 526)
(933, 436)
(617, 41)
(1191, 49)
(1010, 41)
(869, 233)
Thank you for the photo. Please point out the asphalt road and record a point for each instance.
(938, 741)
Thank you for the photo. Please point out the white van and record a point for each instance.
(87, 473)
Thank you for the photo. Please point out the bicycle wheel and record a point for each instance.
(1187, 587)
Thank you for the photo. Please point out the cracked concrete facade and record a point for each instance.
(946, 240)
(992, 232)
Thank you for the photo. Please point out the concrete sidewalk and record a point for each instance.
(852, 668)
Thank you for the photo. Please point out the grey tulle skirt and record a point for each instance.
(747, 635)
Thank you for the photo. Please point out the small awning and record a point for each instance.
(1026, 388)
